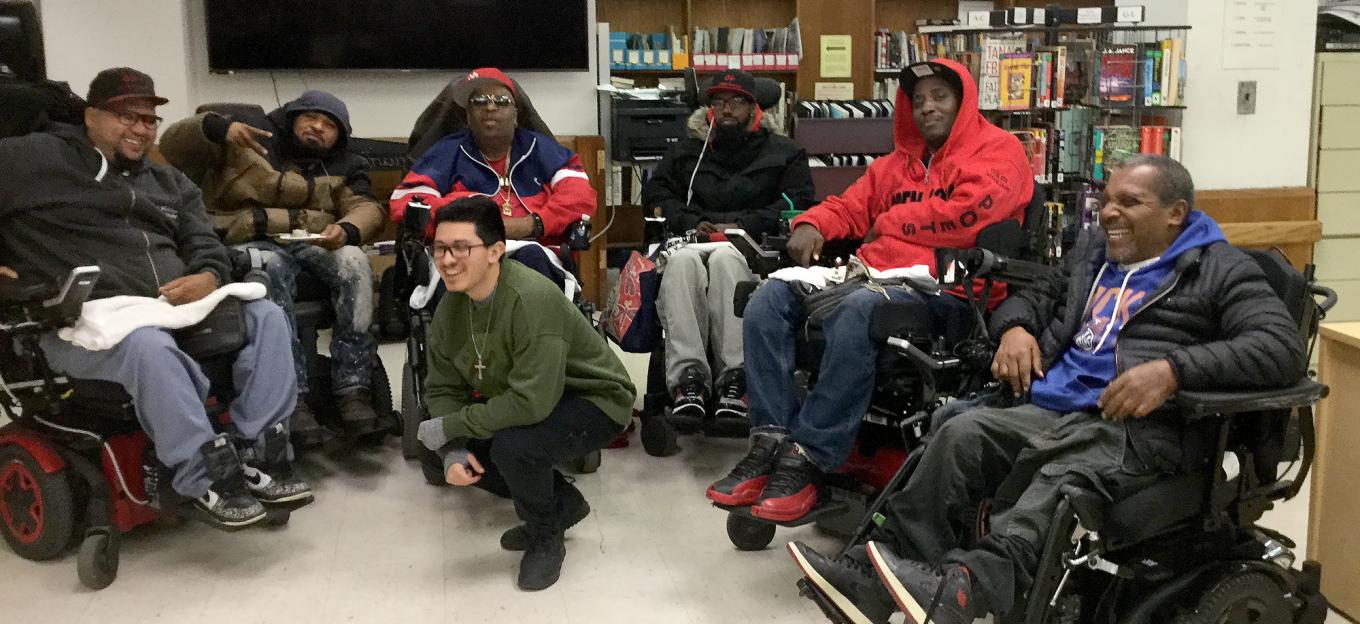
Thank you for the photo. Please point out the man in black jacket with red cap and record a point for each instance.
(732, 172)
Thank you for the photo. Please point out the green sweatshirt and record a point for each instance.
(536, 347)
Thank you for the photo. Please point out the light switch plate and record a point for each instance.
(1246, 97)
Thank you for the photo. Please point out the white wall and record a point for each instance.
(167, 39)
(1224, 150)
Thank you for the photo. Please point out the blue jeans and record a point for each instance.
(354, 351)
(826, 422)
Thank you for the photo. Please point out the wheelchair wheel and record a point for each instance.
(1248, 597)
(588, 463)
(37, 510)
(380, 388)
(410, 414)
(749, 534)
(97, 564)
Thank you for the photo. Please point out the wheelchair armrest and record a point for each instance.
(742, 295)
(761, 261)
(1195, 404)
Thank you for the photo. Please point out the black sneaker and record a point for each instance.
(731, 395)
(689, 399)
(228, 504)
(744, 484)
(541, 564)
(849, 582)
(572, 508)
(923, 593)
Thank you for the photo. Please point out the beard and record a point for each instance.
(729, 137)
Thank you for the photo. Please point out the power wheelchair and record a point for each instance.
(75, 464)
(1186, 549)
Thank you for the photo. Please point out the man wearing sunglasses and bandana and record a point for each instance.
(286, 183)
(538, 185)
(79, 196)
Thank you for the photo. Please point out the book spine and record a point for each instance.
(1098, 153)
(1145, 140)
(1158, 140)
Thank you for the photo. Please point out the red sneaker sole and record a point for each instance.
(746, 493)
(782, 510)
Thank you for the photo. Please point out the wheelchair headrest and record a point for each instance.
(768, 91)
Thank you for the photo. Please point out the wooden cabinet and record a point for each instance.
(1334, 173)
(1334, 501)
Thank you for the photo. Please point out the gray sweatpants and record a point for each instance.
(168, 387)
(695, 304)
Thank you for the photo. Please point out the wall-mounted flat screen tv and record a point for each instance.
(397, 34)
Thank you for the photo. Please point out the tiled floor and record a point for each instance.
(381, 546)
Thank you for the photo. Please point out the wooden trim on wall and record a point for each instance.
(1283, 217)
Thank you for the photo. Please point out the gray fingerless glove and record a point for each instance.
(431, 434)
(456, 456)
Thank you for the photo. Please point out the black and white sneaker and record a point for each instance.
(228, 504)
(849, 582)
(281, 488)
(731, 395)
(690, 397)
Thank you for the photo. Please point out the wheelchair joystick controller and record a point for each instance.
(579, 237)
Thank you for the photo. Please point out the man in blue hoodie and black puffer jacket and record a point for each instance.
(1162, 303)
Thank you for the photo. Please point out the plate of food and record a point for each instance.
(297, 236)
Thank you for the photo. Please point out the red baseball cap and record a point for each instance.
(477, 78)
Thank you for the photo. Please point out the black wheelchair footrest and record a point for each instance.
(823, 509)
(833, 614)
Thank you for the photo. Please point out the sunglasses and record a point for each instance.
(487, 101)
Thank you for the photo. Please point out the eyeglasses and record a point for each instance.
(128, 118)
(486, 101)
(457, 250)
(732, 102)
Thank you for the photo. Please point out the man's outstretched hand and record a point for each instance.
(805, 244)
(1138, 391)
(246, 136)
(7, 273)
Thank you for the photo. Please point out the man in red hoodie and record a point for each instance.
(951, 174)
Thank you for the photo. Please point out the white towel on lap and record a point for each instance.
(103, 323)
(821, 277)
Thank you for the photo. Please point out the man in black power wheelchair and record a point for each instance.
(1137, 326)
(951, 175)
(88, 196)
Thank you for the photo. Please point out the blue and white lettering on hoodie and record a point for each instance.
(1077, 380)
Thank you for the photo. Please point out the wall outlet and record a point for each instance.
(1246, 97)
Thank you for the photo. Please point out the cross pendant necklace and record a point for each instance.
(472, 335)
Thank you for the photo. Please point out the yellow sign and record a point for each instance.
(836, 56)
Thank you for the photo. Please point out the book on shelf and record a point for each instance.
(1152, 74)
(1118, 68)
(989, 74)
(1160, 140)
(1037, 143)
(1016, 70)
(1081, 69)
(777, 49)
(1055, 71)
(1111, 146)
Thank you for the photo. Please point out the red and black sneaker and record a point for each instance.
(731, 395)
(689, 399)
(792, 490)
(747, 480)
(923, 593)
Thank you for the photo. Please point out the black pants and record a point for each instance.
(519, 461)
(1022, 455)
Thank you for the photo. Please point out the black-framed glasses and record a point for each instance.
(128, 118)
(729, 102)
(486, 101)
(457, 250)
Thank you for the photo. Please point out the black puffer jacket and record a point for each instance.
(1215, 318)
(745, 184)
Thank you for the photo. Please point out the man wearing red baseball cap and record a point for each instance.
(732, 172)
(539, 185)
(80, 196)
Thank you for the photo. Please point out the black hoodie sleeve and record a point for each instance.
(666, 190)
(199, 248)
